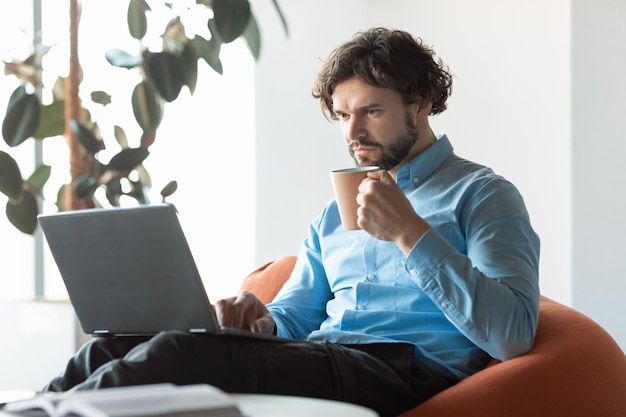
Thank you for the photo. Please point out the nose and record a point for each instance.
(353, 129)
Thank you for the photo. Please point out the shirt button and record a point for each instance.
(416, 180)
(360, 307)
(370, 277)
(413, 273)
(445, 304)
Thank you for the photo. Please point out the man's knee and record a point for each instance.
(178, 348)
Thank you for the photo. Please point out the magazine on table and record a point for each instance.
(133, 401)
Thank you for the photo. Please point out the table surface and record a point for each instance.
(260, 405)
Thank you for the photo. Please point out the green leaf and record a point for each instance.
(190, 55)
(168, 73)
(120, 136)
(52, 121)
(136, 16)
(86, 137)
(10, 176)
(61, 198)
(173, 37)
(252, 36)
(128, 159)
(282, 16)
(209, 50)
(114, 191)
(122, 59)
(101, 97)
(58, 90)
(231, 18)
(22, 213)
(147, 107)
(85, 186)
(144, 176)
(22, 117)
(40, 176)
(137, 191)
(169, 189)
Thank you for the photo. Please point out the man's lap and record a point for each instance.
(380, 376)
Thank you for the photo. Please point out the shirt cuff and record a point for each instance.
(426, 256)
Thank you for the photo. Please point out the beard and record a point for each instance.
(394, 153)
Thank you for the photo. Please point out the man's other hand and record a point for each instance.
(246, 312)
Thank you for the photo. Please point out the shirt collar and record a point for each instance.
(424, 164)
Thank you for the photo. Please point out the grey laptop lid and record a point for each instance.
(128, 271)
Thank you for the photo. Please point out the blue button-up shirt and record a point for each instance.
(468, 288)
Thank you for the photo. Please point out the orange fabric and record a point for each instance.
(268, 279)
(575, 368)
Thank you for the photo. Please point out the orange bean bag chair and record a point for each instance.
(575, 368)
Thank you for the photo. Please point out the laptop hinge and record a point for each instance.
(197, 330)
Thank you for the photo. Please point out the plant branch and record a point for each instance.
(80, 161)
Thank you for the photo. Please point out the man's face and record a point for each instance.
(377, 127)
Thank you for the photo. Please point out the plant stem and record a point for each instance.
(80, 161)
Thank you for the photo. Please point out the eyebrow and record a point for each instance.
(360, 108)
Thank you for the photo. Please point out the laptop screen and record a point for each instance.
(128, 271)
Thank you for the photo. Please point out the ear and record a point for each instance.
(423, 110)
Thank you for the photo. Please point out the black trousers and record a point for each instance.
(383, 376)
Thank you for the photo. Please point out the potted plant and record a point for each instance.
(163, 73)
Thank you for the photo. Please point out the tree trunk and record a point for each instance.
(80, 161)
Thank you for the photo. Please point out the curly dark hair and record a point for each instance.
(389, 59)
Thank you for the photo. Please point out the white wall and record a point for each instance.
(515, 107)
(510, 103)
(37, 340)
(599, 172)
(296, 146)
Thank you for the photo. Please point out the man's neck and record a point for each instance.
(424, 140)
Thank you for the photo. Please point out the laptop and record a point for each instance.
(129, 271)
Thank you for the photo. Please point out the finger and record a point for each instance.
(224, 312)
(264, 324)
(241, 310)
(381, 175)
(366, 184)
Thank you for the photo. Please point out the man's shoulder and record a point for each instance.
(474, 177)
(470, 169)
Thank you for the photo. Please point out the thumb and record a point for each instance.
(382, 176)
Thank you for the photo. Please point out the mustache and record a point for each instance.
(362, 142)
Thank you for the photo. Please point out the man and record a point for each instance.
(442, 276)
